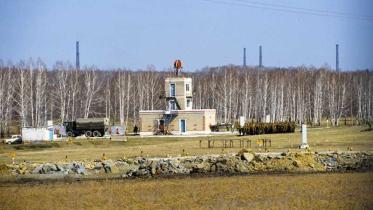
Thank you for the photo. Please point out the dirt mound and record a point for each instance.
(287, 162)
(295, 162)
(4, 169)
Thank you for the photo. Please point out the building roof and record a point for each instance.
(178, 79)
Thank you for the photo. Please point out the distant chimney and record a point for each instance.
(337, 57)
(260, 56)
(244, 57)
(77, 56)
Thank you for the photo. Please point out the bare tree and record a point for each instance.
(30, 94)
(91, 88)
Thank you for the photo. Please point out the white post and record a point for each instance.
(242, 121)
(304, 144)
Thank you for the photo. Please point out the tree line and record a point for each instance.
(31, 94)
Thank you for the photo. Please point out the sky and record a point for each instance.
(138, 33)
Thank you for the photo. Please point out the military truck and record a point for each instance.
(89, 127)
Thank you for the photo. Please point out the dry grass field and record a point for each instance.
(319, 139)
(302, 191)
(306, 191)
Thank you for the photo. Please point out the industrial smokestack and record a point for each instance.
(337, 57)
(77, 56)
(260, 56)
(244, 57)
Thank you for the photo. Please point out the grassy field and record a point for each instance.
(320, 139)
(310, 191)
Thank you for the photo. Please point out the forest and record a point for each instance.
(31, 94)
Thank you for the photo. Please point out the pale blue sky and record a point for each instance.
(137, 33)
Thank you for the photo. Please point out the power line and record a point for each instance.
(299, 10)
(352, 15)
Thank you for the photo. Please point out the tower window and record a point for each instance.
(189, 103)
(172, 105)
(187, 87)
(172, 90)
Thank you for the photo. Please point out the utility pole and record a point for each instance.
(337, 57)
(244, 57)
(77, 56)
(260, 56)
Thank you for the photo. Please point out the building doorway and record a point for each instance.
(182, 126)
(161, 125)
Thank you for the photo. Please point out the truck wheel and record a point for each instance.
(88, 133)
(70, 134)
(96, 134)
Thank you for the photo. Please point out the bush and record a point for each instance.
(267, 128)
(36, 146)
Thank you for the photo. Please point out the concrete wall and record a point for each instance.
(147, 119)
(210, 118)
(180, 86)
(35, 134)
(180, 89)
(197, 121)
(194, 122)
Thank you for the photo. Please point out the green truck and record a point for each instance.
(90, 127)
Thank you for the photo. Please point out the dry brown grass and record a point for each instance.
(312, 191)
(319, 139)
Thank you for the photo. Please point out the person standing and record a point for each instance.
(135, 129)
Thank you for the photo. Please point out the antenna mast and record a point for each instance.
(77, 56)
(260, 56)
(337, 57)
(244, 57)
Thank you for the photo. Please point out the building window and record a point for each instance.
(187, 87)
(172, 90)
(189, 103)
(172, 105)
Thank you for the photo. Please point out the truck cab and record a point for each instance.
(70, 127)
